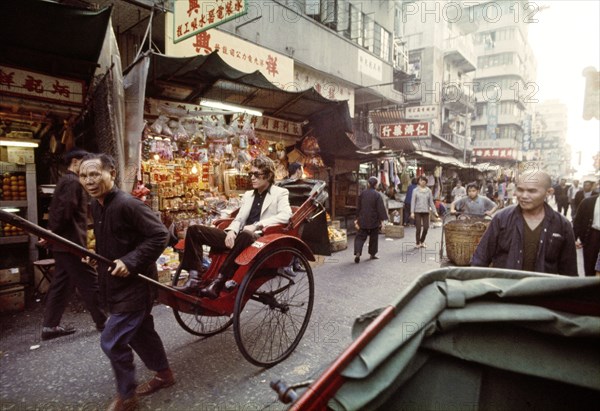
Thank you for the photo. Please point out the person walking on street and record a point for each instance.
(420, 206)
(371, 212)
(458, 191)
(474, 204)
(130, 234)
(407, 201)
(587, 229)
(585, 192)
(562, 197)
(571, 193)
(68, 218)
(529, 236)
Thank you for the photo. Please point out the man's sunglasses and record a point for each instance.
(255, 174)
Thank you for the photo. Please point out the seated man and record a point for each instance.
(473, 203)
(266, 205)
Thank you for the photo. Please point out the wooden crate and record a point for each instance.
(10, 276)
(12, 299)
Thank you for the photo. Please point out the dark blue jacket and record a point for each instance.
(370, 210)
(502, 243)
(128, 230)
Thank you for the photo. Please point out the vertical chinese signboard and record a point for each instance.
(191, 17)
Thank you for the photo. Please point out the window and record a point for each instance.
(368, 32)
(356, 25)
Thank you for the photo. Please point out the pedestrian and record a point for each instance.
(510, 191)
(490, 192)
(474, 204)
(266, 204)
(130, 234)
(551, 199)
(571, 193)
(586, 191)
(295, 171)
(529, 236)
(420, 206)
(587, 229)
(370, 213)
(458, 191)
(68, 218)
(562, 196)
(408, 200)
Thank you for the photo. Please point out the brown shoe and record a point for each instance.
(162, 379)
(119, 404)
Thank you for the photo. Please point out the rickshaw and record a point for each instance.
(468, 338)
(269, 306)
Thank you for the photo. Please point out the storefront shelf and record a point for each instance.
(16, 239)
(22, 203)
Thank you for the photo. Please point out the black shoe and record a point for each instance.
(192, 284)
(213, 290)
(374, 257)
(49, 333)
(357, 259)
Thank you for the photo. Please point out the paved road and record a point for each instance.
(72, 372)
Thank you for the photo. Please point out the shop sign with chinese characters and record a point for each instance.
(25, 83)
(265, 123)
(238, 53)
(369, 65)
(422, 112)
(191, 17)
(496, 153)
(396, 130)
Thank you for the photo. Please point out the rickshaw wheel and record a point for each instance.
(198, 324)
(269, 321)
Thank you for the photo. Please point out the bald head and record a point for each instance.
(537, 178)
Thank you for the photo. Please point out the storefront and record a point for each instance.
(49, 56)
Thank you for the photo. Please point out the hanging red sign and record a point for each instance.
(404, 130)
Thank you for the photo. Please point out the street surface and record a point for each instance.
(72, 372)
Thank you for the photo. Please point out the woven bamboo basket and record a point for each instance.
(462, 238)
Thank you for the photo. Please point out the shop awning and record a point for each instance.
(442, 159)
(188, 79)
(52, 38)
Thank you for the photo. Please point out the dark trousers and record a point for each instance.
(70, 272)
(422, 223)
(128, 332)
(199, 235)
(591, 247)
(562, 207)
(361, 237)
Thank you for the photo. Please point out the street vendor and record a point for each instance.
(263, 206)
(474, 204)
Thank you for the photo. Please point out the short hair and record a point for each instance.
(537, 177)
(107, 161)
(76, 152)
(472, 185)
(293, 168)
(266, 166)
(423, 178)
(373, 181)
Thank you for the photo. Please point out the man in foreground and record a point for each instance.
(529, 236)
(130, 234)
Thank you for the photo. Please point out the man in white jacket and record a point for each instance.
(263, 206)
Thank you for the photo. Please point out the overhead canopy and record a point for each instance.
(211, 78)
(188, 79)
(52, 38)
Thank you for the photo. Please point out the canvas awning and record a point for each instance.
(52, 38)
(442, 159)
